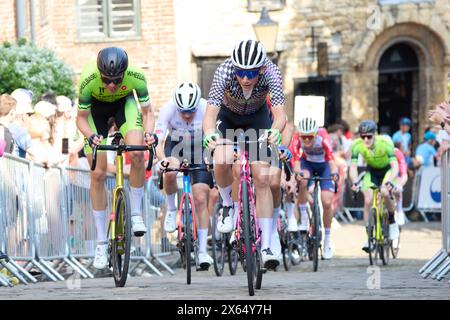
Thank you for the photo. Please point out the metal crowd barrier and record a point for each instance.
(439, 265)
(46, 222)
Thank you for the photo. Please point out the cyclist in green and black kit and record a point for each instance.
(106, 90)
(382, 170)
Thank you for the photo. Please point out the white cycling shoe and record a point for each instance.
(170, 221)
(137, 226)
(225, 225)
(101, 256)
(328, 251)
(205, 260)
(270, 261)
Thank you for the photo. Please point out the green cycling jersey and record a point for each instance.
(380, 156)
(91, 86)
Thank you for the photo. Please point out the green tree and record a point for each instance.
(37, 69)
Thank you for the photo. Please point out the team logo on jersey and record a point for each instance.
(124, 88)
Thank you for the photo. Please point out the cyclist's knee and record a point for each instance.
(137, 157)
(200, 201)
(98, 176)
(261, 181)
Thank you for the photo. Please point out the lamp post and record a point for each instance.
(266, 31)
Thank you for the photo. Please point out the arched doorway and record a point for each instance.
(397, 84)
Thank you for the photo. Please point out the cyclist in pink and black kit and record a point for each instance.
(314, 154)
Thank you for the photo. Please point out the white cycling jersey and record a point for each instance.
(170, 120)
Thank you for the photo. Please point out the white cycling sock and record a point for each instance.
(225, 193)
(276, 212)
(327, 238)
(202, 235)
(100, 223)
(290, 210)
(266, 234)
(136, 195)
(235, 214)
(170, 201)
(304, 213)
(400, 204)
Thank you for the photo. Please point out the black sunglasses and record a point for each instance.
(116, 80)
(368, 136)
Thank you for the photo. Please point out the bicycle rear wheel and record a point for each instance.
(248, 241)
(188, 239)
(233, 259)
(386, 242)
(395, 246)
(286, 247)
(371, 242)
(218, 246)
(121, 244)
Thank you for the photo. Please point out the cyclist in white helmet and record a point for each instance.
(315, 155)
(238, 101)
(182, 117)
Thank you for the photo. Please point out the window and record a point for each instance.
(43, 12)
(257, 5)
(108, 19)
(206, 67)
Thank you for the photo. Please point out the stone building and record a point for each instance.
(379, 59)
(77, 29)
(383, 59)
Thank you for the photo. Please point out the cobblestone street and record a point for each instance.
(345, 277)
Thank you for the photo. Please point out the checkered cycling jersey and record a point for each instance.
(226, 91)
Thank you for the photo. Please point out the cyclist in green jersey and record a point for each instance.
(382, 170)
(106, 89)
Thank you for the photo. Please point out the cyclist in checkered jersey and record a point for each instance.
(237, 100)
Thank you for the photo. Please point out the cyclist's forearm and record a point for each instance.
(333, 166)
(148, 119)
(403, 179)
(83, 124)
(160, 150)
(279, 117)
(394, 170)
(353, 172)
(210, 118)
(287, 133)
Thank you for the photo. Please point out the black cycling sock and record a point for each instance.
(391, 218)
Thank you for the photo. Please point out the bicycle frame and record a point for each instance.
(378, 206)
(186, 193)
(245, 178)
(119, 185)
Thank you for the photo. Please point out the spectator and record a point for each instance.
(402, 138)
(7, 106)
(425, 152)
(43, 151)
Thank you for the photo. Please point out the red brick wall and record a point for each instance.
(8, 21)
(155, 52)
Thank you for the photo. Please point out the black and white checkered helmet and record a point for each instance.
(248, 54)
(187, 96)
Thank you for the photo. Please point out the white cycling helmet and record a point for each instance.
(187, 96)
(308, 126)
(248, 54)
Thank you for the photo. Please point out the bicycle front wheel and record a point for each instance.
(233, 259)
(315, 223)
(218, 246)
(121, 243)
(188, 238)
(248, 241)
(371, 242)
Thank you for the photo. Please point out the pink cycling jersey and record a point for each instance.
(402, 166)
(319, 152)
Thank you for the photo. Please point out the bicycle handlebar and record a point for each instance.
(123, 148)
(184, 167)
(299, 176)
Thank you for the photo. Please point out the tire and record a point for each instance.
(287, 254)
(387, 242)
(248, 241)
(233, 259)
(258, 269)
(373, 250)
(188, 233)
(293, 246)
(218, 246)
(316, 232)
(121, 244)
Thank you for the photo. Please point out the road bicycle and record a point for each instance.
(186, 222)
(119, 227)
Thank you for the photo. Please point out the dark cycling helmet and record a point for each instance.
(367, 126)
(112, 61)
